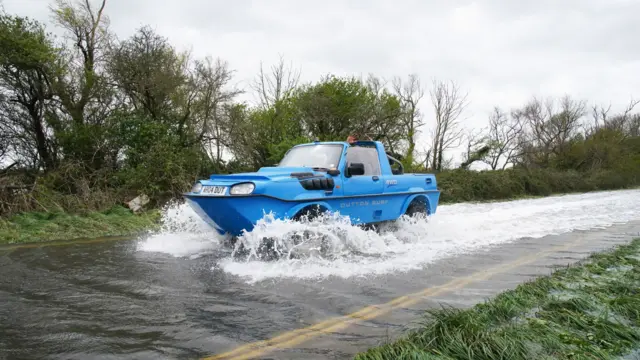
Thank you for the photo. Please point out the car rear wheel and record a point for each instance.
(417, 206)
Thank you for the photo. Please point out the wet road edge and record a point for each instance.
(344, 336)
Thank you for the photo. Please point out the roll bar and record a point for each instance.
(399, 171)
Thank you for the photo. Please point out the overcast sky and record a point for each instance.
(500, 51)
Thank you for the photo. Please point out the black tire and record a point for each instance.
(417, 206)
(309, 213)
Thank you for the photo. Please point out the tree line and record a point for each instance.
(89, 120)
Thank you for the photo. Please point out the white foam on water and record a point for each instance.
(183, 233)
(409, 244)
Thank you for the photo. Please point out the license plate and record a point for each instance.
(214, 190)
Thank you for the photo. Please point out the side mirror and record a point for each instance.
(355, 169)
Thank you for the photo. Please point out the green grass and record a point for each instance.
(590, 310)
(48, 226)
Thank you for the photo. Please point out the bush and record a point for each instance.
(467, 185)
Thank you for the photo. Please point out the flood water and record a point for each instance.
(180, 294)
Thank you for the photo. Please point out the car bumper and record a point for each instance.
(235, 215)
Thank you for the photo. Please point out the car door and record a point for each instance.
(362, 201)
(371, 182)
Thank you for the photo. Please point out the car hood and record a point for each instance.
(265, 174)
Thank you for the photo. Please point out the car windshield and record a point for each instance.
(317, 156)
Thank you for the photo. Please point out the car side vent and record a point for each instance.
(302, 175)
(317, 183)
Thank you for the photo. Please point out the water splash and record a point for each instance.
(182, 233)
(331, 246)
(329, 236)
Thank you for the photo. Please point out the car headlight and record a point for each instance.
(197, 187)
(242, 189)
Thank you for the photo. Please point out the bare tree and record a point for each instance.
(275, 86)
(502, 137)
(410, 94)
(449, 104)
(599, 116)
(477, 147)
(212, 99)
(376, 84)
(625, 122)
(425, 157)
(566, 123)
(377, 121)
(548, 129)
(536, 140)
(87, 29)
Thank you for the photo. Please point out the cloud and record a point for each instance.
(501, 51)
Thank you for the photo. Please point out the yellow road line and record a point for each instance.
(63, 243)
(298, 336)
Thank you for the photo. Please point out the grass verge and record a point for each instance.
(48, 226)
(590, 310)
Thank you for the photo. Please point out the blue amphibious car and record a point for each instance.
(361, 181)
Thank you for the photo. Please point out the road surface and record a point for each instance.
(179, 294)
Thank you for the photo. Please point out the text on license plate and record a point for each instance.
(214, 190)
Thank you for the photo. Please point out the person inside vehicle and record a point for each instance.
(352, 139)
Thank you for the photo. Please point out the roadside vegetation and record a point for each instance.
(47, 226)
(89, 121)
(590, 310)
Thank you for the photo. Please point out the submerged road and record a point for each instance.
(130, 300)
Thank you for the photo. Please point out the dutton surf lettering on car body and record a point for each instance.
(354, 203)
